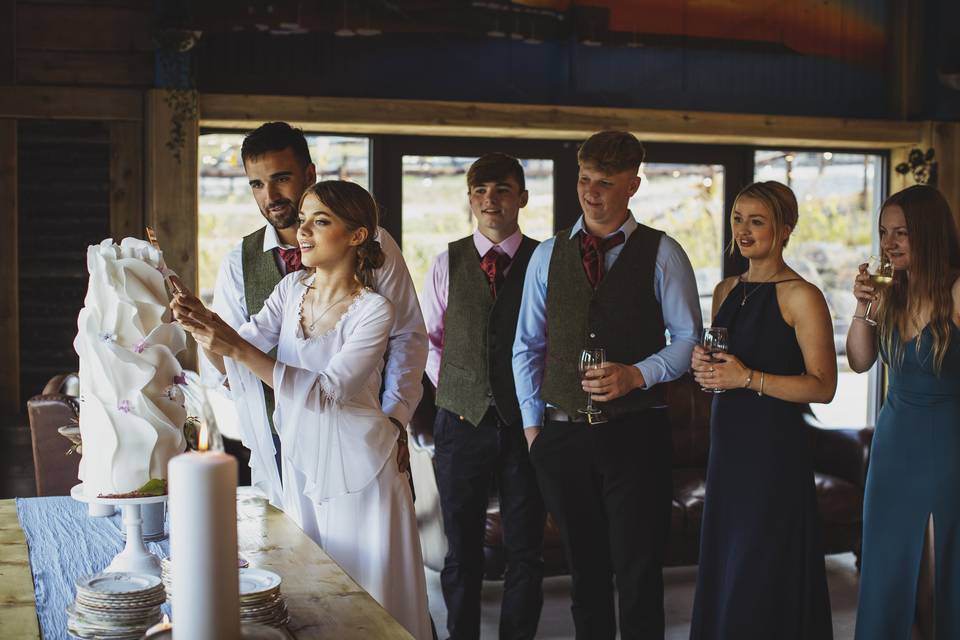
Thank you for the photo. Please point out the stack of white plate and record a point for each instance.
(115, 605)
(166, 573)
(167, 577)
(260, 599)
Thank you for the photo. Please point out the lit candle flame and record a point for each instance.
(203, 439)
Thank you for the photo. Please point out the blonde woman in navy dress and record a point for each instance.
(761, 571)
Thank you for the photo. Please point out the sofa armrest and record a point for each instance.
(843, 453)
(55, 470)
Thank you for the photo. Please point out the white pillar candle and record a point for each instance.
(203, 546)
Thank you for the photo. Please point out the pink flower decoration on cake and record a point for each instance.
(124, 406)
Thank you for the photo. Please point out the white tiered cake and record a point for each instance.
(131, 405)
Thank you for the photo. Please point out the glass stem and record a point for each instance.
(866, 313)
(589, 402)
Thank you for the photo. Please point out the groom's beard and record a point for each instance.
(281, 214)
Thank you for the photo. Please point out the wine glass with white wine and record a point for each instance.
(880, 270)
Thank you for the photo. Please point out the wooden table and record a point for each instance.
(324, 602)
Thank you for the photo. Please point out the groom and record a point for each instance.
(276, 159)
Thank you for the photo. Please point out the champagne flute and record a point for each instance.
(591, 359)
(880, 270)
(715, 340)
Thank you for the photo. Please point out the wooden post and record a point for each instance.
(9, 273)
(126, 180)
(171, 193)
(906, 60)
(946, 144)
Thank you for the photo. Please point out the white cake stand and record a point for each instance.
(134, 556)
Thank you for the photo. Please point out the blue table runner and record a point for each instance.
(65, 544)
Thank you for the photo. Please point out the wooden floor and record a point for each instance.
(16, 459)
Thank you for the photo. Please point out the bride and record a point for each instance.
(341, 480)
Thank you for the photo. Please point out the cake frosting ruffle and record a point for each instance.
(131, 404)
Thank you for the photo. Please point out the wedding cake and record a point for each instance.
(131, 402)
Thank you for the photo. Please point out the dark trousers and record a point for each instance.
(608, 487)
(467, 459)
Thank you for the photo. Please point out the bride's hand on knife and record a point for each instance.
(206, 327)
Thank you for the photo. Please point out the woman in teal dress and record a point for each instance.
(910, 579)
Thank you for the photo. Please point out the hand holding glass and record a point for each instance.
(880, 270)
(714, 341)
(591, 359)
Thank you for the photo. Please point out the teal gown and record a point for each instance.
(914, 472)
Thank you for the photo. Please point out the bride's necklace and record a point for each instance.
(318, 318)
(756, 288)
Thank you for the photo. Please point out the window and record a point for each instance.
(839, 195)
(227, 210)
(686, 202)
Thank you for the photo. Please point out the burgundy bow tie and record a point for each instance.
(593, 250)
(291, 258)
(494, 264)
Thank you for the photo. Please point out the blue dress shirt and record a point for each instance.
(675, 288)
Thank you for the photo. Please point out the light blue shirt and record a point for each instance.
(675, 288)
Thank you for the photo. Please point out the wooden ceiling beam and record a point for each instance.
(437, 118)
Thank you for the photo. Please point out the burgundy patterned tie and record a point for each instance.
(592, 252)
(291, 258)
(494, 264)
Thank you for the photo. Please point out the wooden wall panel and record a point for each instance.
(8, 41)
(83, 68)
(83, 28)
(64, 207)
(9, 288)
(84, 43)
(171, 194)
(126, 180)
(70, 103)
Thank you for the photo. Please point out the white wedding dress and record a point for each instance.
(341, 483)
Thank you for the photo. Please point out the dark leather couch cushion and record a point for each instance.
(689, 411)
(839, 501)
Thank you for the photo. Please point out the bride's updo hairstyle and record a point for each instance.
(354, 205)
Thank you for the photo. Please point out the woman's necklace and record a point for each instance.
(318, 318)
(756, 288)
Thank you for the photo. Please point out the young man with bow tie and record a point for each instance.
(471, 303)
(276, 159)
(612, 283)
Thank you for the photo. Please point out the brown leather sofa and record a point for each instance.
(55, 471)
(840, 461)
